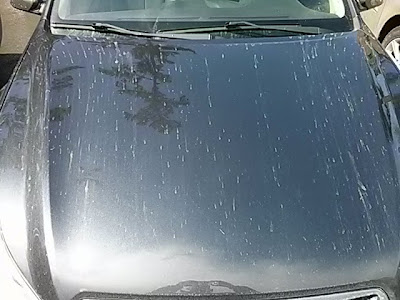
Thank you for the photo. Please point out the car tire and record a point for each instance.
(391, 43)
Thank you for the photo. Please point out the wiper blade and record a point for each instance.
(248, 26)
(109, 28)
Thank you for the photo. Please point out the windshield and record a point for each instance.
(153, 15)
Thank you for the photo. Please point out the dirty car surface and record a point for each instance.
(238, 164)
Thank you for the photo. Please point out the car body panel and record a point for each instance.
(267, 163)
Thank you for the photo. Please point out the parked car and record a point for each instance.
(384, 21)
(200, 149)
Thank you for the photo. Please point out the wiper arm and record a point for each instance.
(244, 25)
(241, 24)
(109, 28)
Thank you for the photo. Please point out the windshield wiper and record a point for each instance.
(109, 28)
(248, 26)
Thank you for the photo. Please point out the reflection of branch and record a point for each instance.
(13, 122)
(156, 115)
(59, 113)
(182, 101)
(144, 80)
(60, 83)
(121, 71)
(66, 69)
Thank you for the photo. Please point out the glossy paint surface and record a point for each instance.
(129, 165)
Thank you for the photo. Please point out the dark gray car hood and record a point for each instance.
(265, 163)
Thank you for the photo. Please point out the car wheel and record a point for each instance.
(391, 43)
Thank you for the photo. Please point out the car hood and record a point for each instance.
(265, 164)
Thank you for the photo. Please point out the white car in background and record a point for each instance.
(384, 22)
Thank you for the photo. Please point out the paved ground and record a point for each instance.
(7, 63)
(18, 27)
